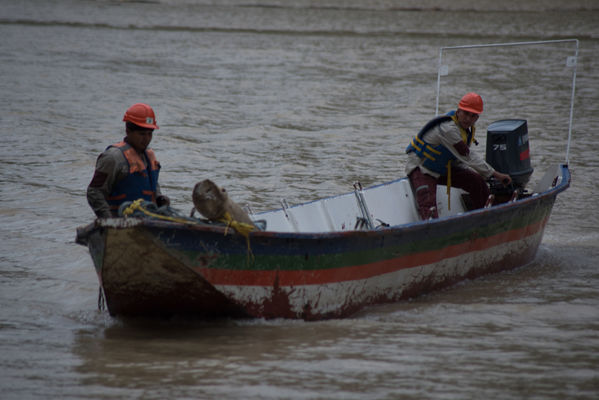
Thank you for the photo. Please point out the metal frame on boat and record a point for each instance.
(324, 259)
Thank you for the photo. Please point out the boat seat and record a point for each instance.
(457, 201)
(393, 203)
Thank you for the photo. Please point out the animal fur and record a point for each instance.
(213, 202)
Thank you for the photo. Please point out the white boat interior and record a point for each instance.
(379, 206)
(387, 204)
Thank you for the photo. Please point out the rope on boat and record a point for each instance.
(243, 229)
(140, 206)
(101, 299)
(137, 206)
(449, 185)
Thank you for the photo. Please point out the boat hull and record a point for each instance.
(153, 267)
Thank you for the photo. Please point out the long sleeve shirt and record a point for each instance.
(448, 134)
(111, 167)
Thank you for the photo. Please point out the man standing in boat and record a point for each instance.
(128, 170)
(440, 154)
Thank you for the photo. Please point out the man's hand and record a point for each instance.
(505, 179)
(163, 200)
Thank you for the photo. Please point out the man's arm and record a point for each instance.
(108, 166)
(451, 138)
(161, 199)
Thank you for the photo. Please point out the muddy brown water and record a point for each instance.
(295, 100)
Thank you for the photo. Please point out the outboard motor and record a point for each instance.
(508, 152)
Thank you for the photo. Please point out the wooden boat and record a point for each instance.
(324, 259)
(317, 260)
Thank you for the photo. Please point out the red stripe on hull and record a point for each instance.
(363, 271)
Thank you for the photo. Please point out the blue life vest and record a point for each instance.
(436, 158)
(140, 182)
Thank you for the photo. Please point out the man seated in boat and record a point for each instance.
(128, 170)
(440, 154)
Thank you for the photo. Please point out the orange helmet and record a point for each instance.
(471, 102)
(141, 115)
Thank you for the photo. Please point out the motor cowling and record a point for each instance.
(508, 150)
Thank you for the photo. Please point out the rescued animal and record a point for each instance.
(213, 202)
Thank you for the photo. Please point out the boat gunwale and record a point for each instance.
(123, 223)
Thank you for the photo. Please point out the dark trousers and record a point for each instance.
(424, 188)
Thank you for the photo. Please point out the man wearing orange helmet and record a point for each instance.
(440, 154)
(128, 170)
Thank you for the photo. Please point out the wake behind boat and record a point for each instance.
(330, 257)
